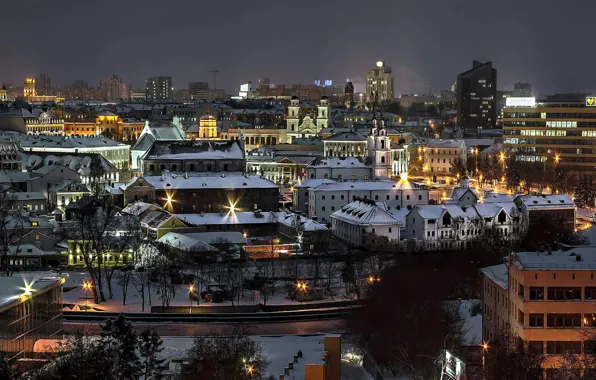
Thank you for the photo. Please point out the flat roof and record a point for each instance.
(578, 258)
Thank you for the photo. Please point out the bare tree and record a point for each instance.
(11, 231)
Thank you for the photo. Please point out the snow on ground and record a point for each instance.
(75, 294)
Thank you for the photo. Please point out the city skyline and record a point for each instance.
(517, 37)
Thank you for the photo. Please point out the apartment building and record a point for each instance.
(548, 299)
(442, 154)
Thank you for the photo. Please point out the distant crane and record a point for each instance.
(214, 71)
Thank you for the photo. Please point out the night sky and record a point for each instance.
(549, 43)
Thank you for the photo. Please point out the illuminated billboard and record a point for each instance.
(520, 101)
(590, 101)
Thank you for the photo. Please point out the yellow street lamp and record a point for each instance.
(87, 286)
(190, 292)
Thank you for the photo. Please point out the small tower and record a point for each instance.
(207, 127)
(379, 150)
(323, 114)
(293, 118)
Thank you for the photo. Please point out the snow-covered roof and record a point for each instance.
(27, 250)
(578, 258)
(65, 142)
(339, 162)
(365, 213)
(306, 224)
(346, 136)
(492, 197)
(13, 289)
(186, 241)
(314, 182)
(28, 196)
(209, 181)
(236, 218)
(491, 210)
(498, 274)
(437, 211)
(475, 143)
(446, 144)
(459, 192)
(546, 201)
(368, 185)
(195, 150)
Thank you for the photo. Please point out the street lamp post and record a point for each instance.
(86, 286)
(190, 291)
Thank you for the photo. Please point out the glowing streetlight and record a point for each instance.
(302, 286)
(557, 158)
(403, 176)
(190, 292)
(87, 286)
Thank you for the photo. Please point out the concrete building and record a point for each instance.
(326, 198)
(556, 131)
(356, 220)
(114, 88)
(194, 156)
(31, 309)
(379, 83)
(198, 90)
(159, 89)
(545, 298)
(477, 96)
(453, 226)
(118, 154)
(152, 132)
(340, 169)
(552, 208)
(214, 192)
(440, 155)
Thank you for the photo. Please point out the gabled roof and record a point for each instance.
(365, 213)
(66, 183)
(305, 224)
(186, 241)
(346, 136)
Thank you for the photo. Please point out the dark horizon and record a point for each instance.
(426, 42)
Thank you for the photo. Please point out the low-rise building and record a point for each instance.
(31, 309)
(65, 192)
(325, 199)
(193, 156)
(155, 131)
(453, 226)
(441, 155)
(250, 224)
(340, 169)
(554, 208)
(33, 201)
(310, 235)
(361, 218)
(211, 192)
(115, 152)
(38, 180)
(300, 193)
(545, 298)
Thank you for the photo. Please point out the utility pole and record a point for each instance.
(214, 71)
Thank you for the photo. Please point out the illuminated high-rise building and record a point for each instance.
(477, 96)
(379, 83)
(198, 90)
(43, 85)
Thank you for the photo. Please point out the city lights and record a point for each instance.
(403, 176)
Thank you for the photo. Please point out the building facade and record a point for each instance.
(379, 83)
(441, 155)
(159, 89)
(554, 133)
(33, 311)
(545, 298)
(477, 96)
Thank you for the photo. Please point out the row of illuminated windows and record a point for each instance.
(533, 132)
(537, 293)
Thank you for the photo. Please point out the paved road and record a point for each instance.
(191, 329)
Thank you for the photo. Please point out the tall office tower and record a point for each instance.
(379, 83)
(477, 96)
(198, 90)
(159, 89)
